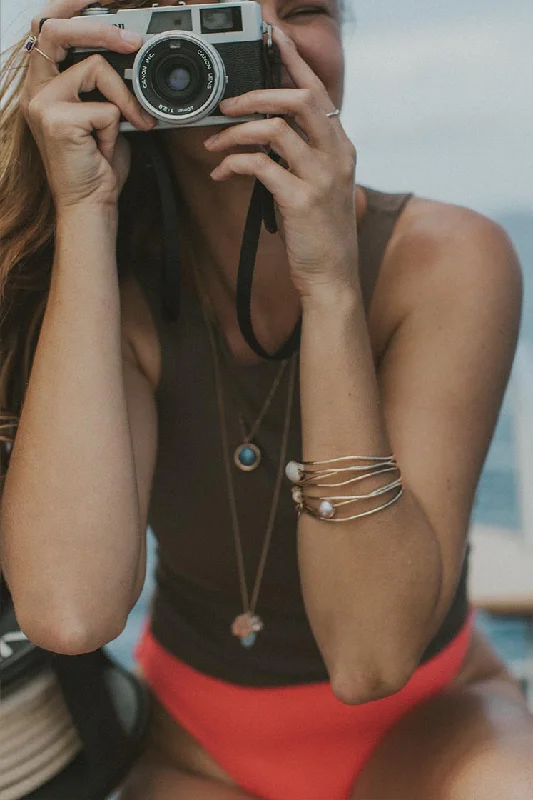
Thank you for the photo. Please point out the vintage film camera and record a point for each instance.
(191, 58)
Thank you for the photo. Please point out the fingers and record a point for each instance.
(60, 9)
(43, 80)
(101, 118)
(57, 35)
(308, 104)
(276, 134)
(299, 71)
(288, 190)
(300, 103)
(91, 73)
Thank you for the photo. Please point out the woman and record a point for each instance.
(362, 674)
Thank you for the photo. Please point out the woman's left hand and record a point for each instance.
(315, 194)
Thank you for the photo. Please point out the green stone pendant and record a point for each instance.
(247, 457)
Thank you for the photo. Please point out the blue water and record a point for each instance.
(496, 501)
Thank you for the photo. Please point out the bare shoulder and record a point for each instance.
(443, 254)
(139, 334)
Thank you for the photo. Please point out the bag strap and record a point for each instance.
(88, 699)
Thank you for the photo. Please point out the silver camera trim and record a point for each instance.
(219, 71)
(138, 20)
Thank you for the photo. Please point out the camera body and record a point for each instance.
(192, 57)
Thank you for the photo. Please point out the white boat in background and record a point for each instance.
(501, 563)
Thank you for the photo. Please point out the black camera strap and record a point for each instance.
(261, 212)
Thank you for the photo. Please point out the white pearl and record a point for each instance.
(297, 494)
(327, 510)
(293, 471)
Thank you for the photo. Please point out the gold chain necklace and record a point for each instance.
(247, 625)
(247, 456)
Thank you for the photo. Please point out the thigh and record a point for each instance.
(153, 779)
(469, 742)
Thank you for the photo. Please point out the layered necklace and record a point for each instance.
(247, 457)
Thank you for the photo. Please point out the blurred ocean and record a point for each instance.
(496, 499)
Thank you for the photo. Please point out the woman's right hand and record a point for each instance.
(85, 157)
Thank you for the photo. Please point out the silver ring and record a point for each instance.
(334, 113)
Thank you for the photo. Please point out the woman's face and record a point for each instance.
(315, 28)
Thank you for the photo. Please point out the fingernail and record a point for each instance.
(229, 101)
(130, 37)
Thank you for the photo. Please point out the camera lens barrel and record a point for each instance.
(179, 77)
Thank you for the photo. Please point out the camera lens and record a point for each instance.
(179, 77)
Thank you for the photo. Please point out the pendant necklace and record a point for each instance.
(248, 624)
(247, 456)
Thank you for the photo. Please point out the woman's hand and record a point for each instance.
(315, 194)
(84, 157)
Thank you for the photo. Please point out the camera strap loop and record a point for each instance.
(261, 211)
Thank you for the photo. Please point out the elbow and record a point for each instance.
(354, 684)
(67, 634)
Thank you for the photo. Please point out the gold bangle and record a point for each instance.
(304, 508)
(309, 474)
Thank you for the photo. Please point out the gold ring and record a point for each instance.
(31, 44)
(51, 60)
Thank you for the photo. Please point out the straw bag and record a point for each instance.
(71, 727)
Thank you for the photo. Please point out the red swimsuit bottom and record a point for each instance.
(289, 742)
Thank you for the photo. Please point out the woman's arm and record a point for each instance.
(377, 589)
(70, 520)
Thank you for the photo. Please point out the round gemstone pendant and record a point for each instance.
(247, 457)
(246, 627)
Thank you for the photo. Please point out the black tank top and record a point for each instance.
(197, 589)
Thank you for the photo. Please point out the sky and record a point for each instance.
(439, 99)
(438, 96)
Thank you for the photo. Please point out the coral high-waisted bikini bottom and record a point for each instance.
(294, 742)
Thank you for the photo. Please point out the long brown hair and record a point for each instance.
(27, 223)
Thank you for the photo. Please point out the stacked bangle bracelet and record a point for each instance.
(350, 470)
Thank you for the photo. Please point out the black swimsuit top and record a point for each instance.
(197, 589)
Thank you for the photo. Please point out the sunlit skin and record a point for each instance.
(420, 374)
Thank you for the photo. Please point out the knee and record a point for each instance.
(494, 776)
